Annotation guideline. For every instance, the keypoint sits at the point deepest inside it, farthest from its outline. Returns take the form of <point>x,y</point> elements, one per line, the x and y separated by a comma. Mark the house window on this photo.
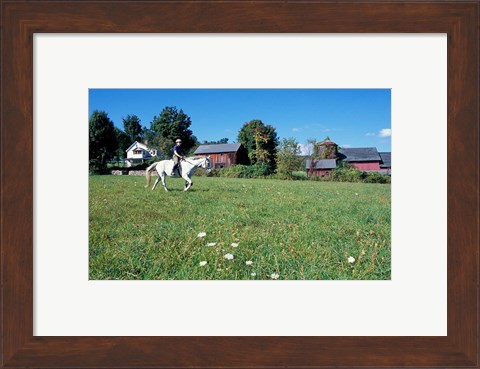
<point>221,154</point>
<point>137,152</point>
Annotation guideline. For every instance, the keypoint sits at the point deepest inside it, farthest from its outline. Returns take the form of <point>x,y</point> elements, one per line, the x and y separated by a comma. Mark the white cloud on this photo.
<point>370,134</point>
<point>295,129</point>
<point>345,146</point>
<point>385,132</point>
<point>305,149</point>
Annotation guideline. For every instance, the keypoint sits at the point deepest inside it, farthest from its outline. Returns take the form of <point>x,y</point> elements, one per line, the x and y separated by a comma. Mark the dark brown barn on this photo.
<point>223,155</point>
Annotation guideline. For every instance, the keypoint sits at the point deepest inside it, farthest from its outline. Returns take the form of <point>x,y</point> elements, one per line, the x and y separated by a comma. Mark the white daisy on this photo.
<point>234,244</point>
<point>211,244</point>
<point>203,263</point>
<point>228,256</point>
<point>202,234</point>
<point>351,259</point>
<point>274,276</point>
<point>253,274</point>
<point>249,262</point>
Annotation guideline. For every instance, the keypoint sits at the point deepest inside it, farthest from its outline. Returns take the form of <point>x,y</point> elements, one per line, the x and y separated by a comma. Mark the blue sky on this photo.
<point>350,117</point>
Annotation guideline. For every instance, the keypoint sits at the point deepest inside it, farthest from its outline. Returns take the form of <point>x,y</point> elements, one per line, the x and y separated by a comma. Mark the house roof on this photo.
<point>139,145</point>
<point>219,148</point>
<point>386,159</point>
<point>132,146</point>
<point>359,154</point>
<point>142,146</point>
<point>323,164</point>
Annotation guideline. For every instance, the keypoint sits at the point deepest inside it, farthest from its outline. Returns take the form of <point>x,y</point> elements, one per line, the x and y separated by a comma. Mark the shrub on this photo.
<point>246,171</point>
<point>234,171</point>
<point>347,174</point>
<point>377,178</point>
<point>96,167</point>
<point>200,172</point>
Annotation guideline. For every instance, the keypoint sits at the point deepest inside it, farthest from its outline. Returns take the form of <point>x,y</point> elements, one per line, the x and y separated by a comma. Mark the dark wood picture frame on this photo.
<point>22,19</point>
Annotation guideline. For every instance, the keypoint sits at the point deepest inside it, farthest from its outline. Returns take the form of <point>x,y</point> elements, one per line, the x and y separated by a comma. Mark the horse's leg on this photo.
<point>156,182</point>
<point>188,182</point>
<point>163,182</point>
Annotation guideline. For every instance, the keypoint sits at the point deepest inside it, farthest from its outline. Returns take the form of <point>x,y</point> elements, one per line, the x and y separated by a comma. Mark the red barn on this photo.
<point>320,167</point>
<point>366,159</point>
<point>223,155</point>
<point>386,164</point>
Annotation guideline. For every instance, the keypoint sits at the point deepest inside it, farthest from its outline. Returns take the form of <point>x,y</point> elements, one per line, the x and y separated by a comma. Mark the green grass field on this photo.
<point>293,229</point>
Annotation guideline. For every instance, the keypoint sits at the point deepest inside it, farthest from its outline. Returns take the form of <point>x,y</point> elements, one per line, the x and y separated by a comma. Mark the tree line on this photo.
<point>260,140</point>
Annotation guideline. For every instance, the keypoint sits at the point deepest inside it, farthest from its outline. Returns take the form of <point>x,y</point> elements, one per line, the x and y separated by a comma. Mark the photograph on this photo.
<point>240,184</point>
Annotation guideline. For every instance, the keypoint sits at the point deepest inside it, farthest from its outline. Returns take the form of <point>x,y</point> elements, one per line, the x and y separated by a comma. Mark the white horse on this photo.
<point>188,166</point>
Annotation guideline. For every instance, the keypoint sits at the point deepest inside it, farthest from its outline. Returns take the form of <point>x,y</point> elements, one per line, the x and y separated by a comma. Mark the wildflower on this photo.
<point>253,274</point>
<point>202,234</point>
<point>372,232</point>
<point>234,244</point>
<point>356,194</point>
<point>249,262</point>
<point>228,256</point>
<point>351,259</point>
<point>211,244</point>
<point>203,263</point>
<point>274,276</point>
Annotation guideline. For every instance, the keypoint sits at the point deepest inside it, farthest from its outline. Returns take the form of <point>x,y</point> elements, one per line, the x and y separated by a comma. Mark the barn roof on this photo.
<point>359,154</point>
<point>327,142</point>
<point>386,159</point>
<point>323,164</point>
<point>215,149</point>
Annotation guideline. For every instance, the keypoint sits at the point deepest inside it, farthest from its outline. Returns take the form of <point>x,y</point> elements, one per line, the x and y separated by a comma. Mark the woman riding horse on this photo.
<point>177,155</point>
<point>187,165</point>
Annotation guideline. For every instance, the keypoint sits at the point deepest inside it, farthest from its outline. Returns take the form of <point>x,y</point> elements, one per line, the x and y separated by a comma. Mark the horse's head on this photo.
<point>206,164</point>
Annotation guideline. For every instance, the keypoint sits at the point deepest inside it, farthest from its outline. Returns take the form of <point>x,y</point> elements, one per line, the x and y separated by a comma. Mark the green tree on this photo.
<point>123,141</point>
<point>167,127</point>
<point>133,128</point>
<point>221,141</point>
<point>260,141</point>
<point>312,153</point>
<point>102,140</point>
<point>287,157</point>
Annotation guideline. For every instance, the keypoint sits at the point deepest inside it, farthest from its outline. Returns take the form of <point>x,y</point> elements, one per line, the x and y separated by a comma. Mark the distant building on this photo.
<point>366,159</point>
<point>139,152</point>
<point>386,165</point>
<point>321,167</point>
<point>223,155</point>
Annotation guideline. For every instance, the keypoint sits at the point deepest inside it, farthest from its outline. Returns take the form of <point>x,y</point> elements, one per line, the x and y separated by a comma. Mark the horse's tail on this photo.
<point>148,173</point>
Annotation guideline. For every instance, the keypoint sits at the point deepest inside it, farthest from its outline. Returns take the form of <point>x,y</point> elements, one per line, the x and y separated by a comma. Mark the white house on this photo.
<point>138,152</point>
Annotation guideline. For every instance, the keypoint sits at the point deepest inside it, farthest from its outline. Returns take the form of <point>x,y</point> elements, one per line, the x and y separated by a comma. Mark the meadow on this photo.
<point>231,229</point>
